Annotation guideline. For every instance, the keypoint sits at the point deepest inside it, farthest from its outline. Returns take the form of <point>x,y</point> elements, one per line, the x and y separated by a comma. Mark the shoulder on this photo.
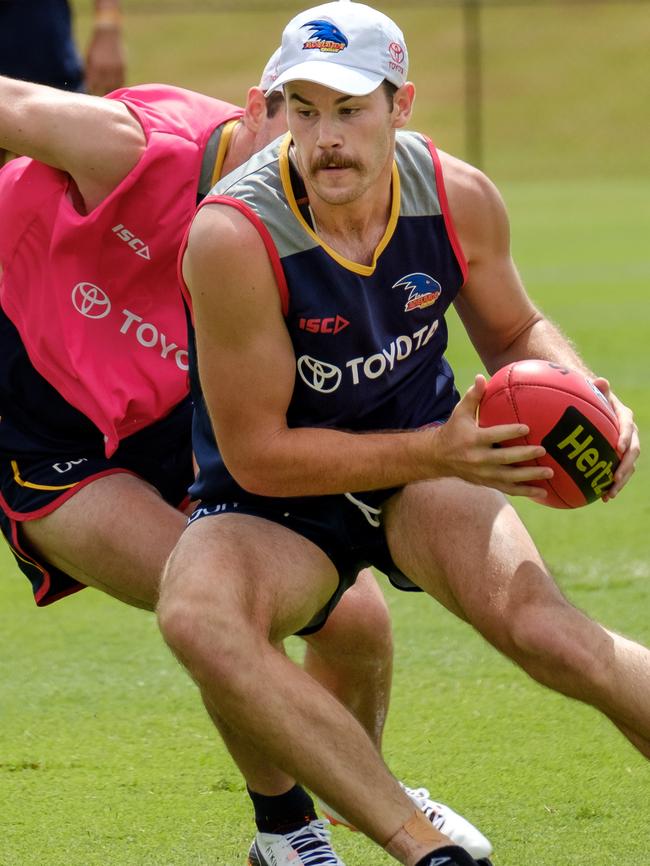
<point>467,187</point>
<point>222,237</point>
<point>222,222</point>
<point>476,205</point>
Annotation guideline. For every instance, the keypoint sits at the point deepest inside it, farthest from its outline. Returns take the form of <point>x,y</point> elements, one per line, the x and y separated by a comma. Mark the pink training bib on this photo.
<point>95,298</point>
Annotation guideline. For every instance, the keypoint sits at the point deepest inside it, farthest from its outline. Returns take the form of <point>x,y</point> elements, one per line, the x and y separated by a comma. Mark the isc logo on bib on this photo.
<point>137,245</point>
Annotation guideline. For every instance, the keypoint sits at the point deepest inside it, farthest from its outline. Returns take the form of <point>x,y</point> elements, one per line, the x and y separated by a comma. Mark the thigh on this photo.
<point>466,546</point>
<point>240,569</point>
<point>359,625</point>
<point>114,534</point>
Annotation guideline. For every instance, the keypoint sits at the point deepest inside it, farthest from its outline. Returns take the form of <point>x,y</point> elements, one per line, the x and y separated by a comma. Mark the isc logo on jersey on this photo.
<point>326,378</point>
<point>327,325</point>
<point>138,246</point>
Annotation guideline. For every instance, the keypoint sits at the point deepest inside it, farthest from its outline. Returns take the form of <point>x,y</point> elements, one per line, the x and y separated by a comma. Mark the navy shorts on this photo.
<point>347,528</point>
<point>35,480</point>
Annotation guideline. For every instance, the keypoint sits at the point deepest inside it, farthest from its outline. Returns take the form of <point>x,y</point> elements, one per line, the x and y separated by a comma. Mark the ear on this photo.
<point>255,110</point>
<point>403,104</point>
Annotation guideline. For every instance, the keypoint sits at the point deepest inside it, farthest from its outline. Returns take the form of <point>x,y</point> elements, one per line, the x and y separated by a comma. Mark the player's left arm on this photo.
<point>501,320</point>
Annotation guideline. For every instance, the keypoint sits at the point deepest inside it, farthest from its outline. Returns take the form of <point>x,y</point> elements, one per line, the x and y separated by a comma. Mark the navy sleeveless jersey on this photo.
<point>369,340</point>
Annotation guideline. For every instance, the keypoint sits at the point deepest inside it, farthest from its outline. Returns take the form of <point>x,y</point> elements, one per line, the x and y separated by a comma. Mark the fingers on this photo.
<point>624,415</point>
<point>472,397</point>
<point>603,385</point>
<point>515,480</point>
<point>518,454</point>
<point>529,491</point>
<point>510,469</point>
<point>626,467</point>
<point>496,456</point>
<point>627,427</point>
<point>518,481</point>
<point>628,444</point>
<point>503,433</point>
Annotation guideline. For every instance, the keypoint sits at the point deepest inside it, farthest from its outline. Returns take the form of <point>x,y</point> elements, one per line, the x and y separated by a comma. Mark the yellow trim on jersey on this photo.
<point>222,150</point>
<point>363,270</point>
<point>29,484</point>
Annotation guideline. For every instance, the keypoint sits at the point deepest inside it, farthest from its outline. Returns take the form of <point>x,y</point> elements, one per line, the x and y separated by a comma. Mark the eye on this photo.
<point>349,111</point>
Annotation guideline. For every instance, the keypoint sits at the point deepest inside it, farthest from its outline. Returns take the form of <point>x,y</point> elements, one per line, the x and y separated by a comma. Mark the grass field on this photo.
<point>566,85</point>
<point>106,756</point>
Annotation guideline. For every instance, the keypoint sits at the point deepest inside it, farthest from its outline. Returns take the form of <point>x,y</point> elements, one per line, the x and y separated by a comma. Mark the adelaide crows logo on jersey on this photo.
<point>325,36</point>
<point>423,291</point>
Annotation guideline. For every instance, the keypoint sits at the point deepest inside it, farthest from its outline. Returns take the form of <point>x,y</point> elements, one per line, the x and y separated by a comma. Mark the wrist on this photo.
<point>430,459</point>
<point>107,18</point>
<point>416,454</point>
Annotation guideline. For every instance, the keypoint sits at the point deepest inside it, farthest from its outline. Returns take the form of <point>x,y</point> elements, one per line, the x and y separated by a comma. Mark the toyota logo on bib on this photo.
<point>91,301</point>
<point>319,375</point>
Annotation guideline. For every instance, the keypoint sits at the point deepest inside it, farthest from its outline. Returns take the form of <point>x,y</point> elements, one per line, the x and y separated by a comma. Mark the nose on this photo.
<point>329,133</point>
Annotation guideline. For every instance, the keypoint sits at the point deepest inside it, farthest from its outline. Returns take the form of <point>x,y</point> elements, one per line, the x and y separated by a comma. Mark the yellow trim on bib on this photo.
<point>223,149</point>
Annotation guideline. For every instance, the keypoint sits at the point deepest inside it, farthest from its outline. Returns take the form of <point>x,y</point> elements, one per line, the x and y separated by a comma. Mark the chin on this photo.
<point>337,195</point>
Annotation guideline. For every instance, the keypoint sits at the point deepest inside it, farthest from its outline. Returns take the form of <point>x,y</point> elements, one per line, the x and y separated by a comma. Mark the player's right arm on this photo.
<point>97,141</point>
<point>247,370</point>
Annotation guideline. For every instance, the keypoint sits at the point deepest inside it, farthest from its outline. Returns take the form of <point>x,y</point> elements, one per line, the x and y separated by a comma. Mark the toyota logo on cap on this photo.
<point>91,301</point>
<point>319,375</point>
<point>396,52</point>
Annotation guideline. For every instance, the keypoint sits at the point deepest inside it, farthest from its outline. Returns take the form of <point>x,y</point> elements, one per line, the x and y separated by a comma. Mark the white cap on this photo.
<point>270,72</point>
<point>349,47</point>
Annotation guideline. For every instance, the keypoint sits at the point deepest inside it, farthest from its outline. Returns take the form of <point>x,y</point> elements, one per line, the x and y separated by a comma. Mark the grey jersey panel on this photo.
<point>258,184</point>
<point>415,164</point>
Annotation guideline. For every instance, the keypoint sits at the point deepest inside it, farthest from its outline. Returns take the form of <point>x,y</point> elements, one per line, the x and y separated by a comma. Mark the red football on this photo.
<point>566,414</point>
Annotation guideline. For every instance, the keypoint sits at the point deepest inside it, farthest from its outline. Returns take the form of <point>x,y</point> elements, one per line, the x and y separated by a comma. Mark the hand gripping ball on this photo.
<point>566,414</point>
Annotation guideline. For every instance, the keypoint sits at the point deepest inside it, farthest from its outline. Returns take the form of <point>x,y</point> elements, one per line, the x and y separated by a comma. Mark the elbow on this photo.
<point>262,464</point>
<point>259,484</point>
<point>258,476</point>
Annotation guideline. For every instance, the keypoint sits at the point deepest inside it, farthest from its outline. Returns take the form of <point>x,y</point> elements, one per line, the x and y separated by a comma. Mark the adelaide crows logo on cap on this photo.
<point>423,291</point>
<point>325,36</point>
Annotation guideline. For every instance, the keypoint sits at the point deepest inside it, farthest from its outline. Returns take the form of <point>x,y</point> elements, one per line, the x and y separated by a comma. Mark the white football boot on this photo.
<point>308,846</point>
<point>444,819</point>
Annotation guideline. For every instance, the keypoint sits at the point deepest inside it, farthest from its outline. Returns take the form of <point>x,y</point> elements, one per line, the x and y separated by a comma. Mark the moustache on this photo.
<point>333,160</point>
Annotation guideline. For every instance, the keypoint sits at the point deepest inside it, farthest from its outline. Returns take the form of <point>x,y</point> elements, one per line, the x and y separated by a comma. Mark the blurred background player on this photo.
<point>37,44</point>
<point>95,431</point>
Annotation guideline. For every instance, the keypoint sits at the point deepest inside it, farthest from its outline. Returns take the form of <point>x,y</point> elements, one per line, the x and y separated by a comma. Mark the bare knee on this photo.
<point>207,635</point>
<point>555,643</point>
<point>179,621</point>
